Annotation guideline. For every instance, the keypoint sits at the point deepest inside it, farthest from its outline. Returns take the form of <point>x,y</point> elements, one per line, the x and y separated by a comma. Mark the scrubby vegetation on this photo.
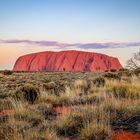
<point>62,106</point>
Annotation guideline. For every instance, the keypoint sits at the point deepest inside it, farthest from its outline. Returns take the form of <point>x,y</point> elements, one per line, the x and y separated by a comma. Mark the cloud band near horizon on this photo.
<point>45,43</point>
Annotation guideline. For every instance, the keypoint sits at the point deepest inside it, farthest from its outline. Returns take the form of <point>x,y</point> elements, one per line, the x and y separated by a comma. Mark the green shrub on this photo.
<point>99,81</point>
<point>60,87</point>
<point>27,92</point>
<point>54,87</point>
<point>111,75</point>
<point>123,69</point>
<point>7,72</point>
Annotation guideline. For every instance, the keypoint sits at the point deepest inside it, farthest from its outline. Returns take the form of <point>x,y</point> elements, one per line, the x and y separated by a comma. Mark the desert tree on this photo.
<point>134,62</point>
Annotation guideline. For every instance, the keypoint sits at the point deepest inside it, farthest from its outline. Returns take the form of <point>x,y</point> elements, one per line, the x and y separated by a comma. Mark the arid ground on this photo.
<point>70,106</point>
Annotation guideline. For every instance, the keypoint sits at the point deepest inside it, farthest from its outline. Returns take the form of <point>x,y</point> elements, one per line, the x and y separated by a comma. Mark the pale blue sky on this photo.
<point>68,21</point>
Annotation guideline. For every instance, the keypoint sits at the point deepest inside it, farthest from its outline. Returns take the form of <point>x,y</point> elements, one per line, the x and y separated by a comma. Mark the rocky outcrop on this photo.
<point>66,61</point>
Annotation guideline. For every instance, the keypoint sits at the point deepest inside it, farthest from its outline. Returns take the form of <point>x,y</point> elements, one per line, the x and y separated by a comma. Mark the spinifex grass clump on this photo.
<point>27,92</point>
<point>13,133</point>
<point>95,131</point>
<point>46,110</point>
<point>5,104</point>
<point>123,114</point>
<point>49,85</point>
<point>122,90</point>
<point>70,125</point>
<point>80,85</point>
<point>25,112</point>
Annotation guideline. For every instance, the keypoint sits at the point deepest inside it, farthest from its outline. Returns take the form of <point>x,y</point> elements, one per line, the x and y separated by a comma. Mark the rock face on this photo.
<point>66,61</point>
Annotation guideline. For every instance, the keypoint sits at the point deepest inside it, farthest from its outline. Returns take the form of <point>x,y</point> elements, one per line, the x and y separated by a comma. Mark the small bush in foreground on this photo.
<point>122,115</point>
<point>125,91</point>
<point>28,92</point>
<point>70,125</point>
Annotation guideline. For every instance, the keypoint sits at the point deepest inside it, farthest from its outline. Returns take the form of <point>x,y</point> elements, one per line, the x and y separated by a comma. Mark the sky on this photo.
<point>105,26</point>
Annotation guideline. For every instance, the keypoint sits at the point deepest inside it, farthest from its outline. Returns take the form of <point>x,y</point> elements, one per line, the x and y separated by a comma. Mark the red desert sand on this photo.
<point>125,135</point>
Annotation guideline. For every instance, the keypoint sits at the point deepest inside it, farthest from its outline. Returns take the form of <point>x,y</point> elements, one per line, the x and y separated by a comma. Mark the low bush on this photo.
<point>99,81</point>
<point>111,75</point>
<point>46,110</point>
<point>122,115</point>
<point>123,69</point>
<point>7,72</point>
<point>54,87</point>
<point>70,125</point>
<point>49,86</point>
<point>27,92</point>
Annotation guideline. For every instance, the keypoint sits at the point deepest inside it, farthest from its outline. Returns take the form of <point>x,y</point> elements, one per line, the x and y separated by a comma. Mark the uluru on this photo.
<point>67,61</point>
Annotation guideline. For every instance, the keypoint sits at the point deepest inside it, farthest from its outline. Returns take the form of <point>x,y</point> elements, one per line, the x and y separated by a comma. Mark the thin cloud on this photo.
<point>108,45</point>
<point>37,43</point>
<point>69,45</point>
